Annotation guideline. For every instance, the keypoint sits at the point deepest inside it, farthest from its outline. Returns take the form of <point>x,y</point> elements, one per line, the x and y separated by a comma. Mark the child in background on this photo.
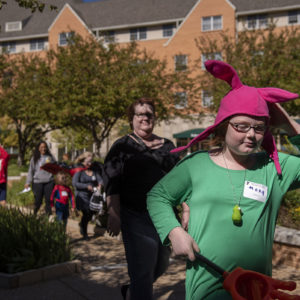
<point>4,157</point>
<point>61,195</point>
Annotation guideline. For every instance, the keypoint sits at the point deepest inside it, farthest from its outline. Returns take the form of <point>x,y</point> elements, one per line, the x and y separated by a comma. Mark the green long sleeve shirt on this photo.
<point>207,189</point>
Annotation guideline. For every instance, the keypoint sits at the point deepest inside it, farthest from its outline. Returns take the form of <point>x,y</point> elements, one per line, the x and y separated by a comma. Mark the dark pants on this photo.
<point>147,258</point>
<point>40,190</point>
<point>85,219</point>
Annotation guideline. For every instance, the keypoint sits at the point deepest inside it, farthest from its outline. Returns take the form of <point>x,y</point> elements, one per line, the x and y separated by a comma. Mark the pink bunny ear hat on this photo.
<point>243,99</point>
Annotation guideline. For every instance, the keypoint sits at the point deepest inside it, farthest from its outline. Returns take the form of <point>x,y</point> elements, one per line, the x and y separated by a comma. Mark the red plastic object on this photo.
<point>249,285</point>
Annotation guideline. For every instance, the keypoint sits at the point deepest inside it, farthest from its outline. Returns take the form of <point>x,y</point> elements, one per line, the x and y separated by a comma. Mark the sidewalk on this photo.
<point>104,270</point>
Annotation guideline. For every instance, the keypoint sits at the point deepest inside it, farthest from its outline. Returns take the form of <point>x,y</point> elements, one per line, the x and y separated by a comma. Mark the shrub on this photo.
<point>14,197</point>
<point>29,241</point>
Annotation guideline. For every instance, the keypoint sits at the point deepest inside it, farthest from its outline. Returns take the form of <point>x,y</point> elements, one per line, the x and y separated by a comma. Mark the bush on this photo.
<point>14,197</point>
<point>13,169</point>
<point>29,241</point>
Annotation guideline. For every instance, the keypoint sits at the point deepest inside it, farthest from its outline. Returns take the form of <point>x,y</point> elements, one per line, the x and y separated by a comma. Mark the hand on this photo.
<point>183,243</point>
<point>53,209</point>
<point>185,216</point>
<point>90,188</point>
<point>72,209</point>
<point>113,224</point>
<point>26,186</point>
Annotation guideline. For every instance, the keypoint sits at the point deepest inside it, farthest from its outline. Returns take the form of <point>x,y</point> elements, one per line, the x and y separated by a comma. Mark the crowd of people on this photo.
<point>230,195</point>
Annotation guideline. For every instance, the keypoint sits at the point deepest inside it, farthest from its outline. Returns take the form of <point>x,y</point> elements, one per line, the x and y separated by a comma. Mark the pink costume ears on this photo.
<point>246,100</point>
<point>223,71</point>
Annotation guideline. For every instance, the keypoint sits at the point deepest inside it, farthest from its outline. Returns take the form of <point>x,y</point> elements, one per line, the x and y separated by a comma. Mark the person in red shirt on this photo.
<point>4,157</point>
<point>61,196</point>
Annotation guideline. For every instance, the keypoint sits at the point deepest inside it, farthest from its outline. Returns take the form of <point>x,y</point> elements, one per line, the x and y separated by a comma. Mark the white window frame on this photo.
<point>257,21</point>
<point>209,56</point>
<point>212,23</point>
<point>68,35</point>
<point>168,30</point>
<point>110,36</point>
<point>10,47</point>
<point>181,62</point>
<point>13,26</point>
<point>181,100</point>
<point>37,44</point>
<point>293,17</point>
<point>138,34</point>
<point>207,99</point>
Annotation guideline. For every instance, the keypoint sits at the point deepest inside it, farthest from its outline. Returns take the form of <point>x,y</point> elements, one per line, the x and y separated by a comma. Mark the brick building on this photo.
<point>167,28</point>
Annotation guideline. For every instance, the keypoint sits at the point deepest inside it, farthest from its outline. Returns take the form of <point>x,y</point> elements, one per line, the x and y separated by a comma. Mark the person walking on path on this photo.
<point>41,180</point>
<point>85,183</point>
<point>61,196</point>
<point>233,191</point>
<point>4,158</point>
<point>133,165</point>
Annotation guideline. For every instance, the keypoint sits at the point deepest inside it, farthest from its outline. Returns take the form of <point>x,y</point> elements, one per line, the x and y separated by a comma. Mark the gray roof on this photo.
<point>116,13</point>
<point>246,6</point>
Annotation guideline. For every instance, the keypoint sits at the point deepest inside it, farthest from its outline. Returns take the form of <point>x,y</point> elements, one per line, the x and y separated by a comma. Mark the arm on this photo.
<point>53,196</point>
<point>30,174</point>
<point>72,199</point>
<point>172,190</point>
<point>79,185</point>
<point>113,208</point>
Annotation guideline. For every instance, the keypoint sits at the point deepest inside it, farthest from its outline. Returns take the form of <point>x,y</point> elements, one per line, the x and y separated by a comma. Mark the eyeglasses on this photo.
<point>144,115</point>
<point>240,127</point>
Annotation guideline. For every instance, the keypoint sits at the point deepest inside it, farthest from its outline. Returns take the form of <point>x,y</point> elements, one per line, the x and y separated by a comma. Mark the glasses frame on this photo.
<point>234,126</point>
<point>150,116</point>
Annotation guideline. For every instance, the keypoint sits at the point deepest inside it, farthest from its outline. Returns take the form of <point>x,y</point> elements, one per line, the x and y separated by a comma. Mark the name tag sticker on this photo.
<point>255,191</point>
<point>64,193</point>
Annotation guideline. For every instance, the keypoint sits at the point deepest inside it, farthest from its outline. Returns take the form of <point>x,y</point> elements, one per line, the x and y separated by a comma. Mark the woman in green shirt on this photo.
<point>233,191</point>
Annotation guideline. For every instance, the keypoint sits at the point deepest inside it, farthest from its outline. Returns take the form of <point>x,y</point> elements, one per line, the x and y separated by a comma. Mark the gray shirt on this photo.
<point>36,174</point>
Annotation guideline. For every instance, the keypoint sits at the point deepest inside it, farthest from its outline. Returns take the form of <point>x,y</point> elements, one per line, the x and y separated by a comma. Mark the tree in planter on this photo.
<point>93,85</point>
<point>262,58</point>
<point>24,98</point>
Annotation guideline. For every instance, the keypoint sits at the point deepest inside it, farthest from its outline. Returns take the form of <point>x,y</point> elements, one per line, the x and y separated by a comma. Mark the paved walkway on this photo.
<point>104,270</point>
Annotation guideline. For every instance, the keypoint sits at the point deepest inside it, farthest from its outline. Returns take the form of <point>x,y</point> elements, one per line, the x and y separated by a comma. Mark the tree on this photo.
<point>262,58</point>
<point>24,98</point>
<point>93,84</point>
<point>29,4</point>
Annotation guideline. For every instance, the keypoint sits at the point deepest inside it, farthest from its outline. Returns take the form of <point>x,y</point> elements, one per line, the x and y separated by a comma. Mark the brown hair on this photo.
<point>83,156</point>
<point>141,101</point>
<point>219,135</point>
<point>58,177</point>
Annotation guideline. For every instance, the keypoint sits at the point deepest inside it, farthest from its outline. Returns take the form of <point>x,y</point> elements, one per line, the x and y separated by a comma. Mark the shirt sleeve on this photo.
<point>171,190</point>
<point>30,172</point>
<point>76,182</point>
<point>113,169</point>
<point>290,165</point>
<point>71,197</point>
<point>53,196</point>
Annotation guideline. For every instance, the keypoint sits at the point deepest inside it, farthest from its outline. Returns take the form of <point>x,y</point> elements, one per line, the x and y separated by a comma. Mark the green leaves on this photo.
<point>262,58</point>
<point>29,241</point>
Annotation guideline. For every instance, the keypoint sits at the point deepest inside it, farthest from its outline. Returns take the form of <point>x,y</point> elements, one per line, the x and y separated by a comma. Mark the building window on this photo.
<point>209,56</point>
<point>212,23</point>
<point>180,100</point>
<point>13,26</point>
<point>294,17</point>
<point>109,36</point>
<point>207,99</point>
<point>37,44</point>
<point>9,47</point>
<point>138,33</point>
<point>65,37</point>
<point>168,30</point>
<point>180,62</point>
<point>257,21</point>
